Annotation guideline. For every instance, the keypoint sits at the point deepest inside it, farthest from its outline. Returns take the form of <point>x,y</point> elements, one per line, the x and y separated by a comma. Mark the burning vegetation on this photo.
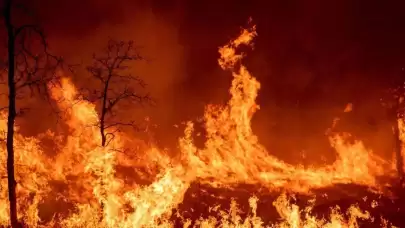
<point>231,181</point>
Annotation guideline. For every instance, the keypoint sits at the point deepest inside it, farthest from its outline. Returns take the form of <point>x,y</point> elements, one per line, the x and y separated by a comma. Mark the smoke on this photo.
<point>76,36</point>
<point>311,59</point>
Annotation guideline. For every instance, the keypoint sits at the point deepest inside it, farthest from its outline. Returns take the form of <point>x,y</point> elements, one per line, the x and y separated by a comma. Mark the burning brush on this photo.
<point>233,181</point>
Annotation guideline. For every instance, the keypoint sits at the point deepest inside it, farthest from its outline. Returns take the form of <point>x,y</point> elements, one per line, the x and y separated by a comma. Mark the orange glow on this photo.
<point>84,176</point>
<point>401,128</point>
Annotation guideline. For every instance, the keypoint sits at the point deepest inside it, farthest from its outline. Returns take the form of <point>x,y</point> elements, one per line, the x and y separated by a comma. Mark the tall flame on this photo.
<point>84,178</point>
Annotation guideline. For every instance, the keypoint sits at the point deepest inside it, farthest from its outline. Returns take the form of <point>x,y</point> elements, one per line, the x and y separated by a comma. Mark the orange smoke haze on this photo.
<point>159,43</point>
<point>306,59</point>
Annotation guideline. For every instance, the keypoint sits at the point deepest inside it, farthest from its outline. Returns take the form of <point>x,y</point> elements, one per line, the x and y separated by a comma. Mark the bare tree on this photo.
<point>30,68</point>
<point>116,86</point>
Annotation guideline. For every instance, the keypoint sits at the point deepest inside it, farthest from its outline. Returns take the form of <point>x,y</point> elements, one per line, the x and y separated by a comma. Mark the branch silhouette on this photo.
<point>29,66</point>
<point>117,86</point>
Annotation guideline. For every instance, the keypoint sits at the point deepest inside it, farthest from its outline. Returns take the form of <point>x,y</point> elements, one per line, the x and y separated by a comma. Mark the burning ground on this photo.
<point>231,181</point>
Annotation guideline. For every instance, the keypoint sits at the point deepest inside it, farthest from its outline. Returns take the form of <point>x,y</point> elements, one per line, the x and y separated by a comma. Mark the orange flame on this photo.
<point>84,176</point>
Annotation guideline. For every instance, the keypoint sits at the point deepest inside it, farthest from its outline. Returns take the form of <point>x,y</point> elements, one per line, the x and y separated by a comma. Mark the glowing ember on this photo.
<point>85,180</point>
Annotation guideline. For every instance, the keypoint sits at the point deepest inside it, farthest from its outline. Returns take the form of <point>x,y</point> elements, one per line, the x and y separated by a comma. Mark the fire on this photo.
<point>84,177</point>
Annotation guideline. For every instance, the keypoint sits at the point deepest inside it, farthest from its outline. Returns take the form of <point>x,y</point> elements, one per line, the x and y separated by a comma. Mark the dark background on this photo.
<point>311,57</point>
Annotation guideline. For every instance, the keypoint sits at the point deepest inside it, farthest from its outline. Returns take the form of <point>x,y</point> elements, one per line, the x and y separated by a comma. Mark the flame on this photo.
<point>81,185</point>
<point>349,107</point>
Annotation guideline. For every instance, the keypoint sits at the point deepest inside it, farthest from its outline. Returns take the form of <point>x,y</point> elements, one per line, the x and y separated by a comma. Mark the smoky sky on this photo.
<point>311,57</point>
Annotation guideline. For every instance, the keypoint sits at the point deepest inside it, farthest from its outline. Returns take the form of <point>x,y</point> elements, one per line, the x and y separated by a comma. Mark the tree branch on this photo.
<point>115,86</point>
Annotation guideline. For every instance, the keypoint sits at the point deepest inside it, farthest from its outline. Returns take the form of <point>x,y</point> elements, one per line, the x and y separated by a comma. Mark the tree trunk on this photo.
<point>103,137</point>
<point>11,116</point>
<point>104,112</point>
<point>102,129</point>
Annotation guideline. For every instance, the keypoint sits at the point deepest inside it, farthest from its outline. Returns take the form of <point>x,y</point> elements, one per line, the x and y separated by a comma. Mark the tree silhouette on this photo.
<point>30,68</point>
<point>116,86</point>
